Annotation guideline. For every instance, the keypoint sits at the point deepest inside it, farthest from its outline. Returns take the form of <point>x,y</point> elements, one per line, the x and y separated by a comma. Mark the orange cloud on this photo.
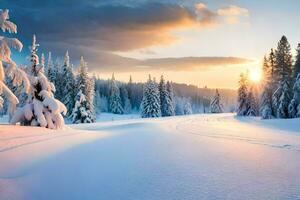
<point>232,14</point>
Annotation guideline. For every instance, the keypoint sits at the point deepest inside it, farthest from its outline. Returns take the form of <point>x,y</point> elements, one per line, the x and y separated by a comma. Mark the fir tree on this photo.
<point>294,106</point>
<point>97,102</point>
<point>266,110</point>
<point>283,78</point>
<point>52,71</point>
<point>150,106</point>
<point>115,105</point>
<point>87,87</point>
<point>125,99</point>
<point>81,112</point>
<point>187,107</point>
<point>17,75</point>
<point>164,97</point>
<point>297,64</point>
<point>251,103</point>
<point>216,105</point>
<point>42,109</point>
<point>281,99</point>
<point>171,105</point>
<point>242,95</point>
<point>68,85</point>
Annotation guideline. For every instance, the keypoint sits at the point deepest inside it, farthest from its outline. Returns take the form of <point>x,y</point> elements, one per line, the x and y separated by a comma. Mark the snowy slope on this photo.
<point>192,157</point>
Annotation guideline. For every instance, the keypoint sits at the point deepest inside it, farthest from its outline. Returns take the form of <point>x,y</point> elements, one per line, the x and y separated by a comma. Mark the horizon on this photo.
<point>202,43</point>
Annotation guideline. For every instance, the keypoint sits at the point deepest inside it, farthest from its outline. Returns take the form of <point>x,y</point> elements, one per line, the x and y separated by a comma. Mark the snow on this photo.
<point>212,156</point>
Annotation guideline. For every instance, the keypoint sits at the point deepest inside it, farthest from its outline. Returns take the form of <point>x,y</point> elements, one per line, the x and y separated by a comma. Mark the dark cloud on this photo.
<point>95,29</point>
<point>112,27</point>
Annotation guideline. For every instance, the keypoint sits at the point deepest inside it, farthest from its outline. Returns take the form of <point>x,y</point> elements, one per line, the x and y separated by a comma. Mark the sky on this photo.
<point>205,43</point>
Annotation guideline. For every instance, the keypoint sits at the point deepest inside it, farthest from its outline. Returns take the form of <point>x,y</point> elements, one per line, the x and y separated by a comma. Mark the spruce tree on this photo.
<point>266,109</point>
<point>68,85</point>
<point>52,71</point>
<point>81,113</point>
<point>242,108</point>
<point>281,99</point>
<point>171,98</point>
<point>216,105</point>
<point>150,106</point>
<point>283,76</point>
<point>42,109</point>
<point>164,97</point>
<point>115,104</point>
<point>187,107</point>
<point>294,106</point>
<point>251,103</point>
<point>297,64</point>
<point>87,87</point>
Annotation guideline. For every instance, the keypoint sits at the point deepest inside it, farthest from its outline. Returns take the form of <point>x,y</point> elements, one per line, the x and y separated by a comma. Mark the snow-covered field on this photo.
<point>188,157</point>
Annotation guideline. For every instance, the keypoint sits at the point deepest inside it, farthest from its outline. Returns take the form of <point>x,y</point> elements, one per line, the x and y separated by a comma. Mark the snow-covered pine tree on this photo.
<point>68,85</point>
<point>266,110</point>
<point>97,102</point>
<point>7,66</point>
<point>150,106</point>
<point>171,104</point>
<point>86,85</point>
<point>115,104</point>
<point>251,103</point>
<point>42,109</point>
<point>187,107</point>
<point>242,107</point>
<point>294,106</point>
<point>297,64</point>
<point>281,99</point>
<point>283,76</point>
<point>51,70</point>
<point>81,112</point>
<point>125,99</point>
<point>129,88</point>
<point>164,97</point>
<point>216,105</point>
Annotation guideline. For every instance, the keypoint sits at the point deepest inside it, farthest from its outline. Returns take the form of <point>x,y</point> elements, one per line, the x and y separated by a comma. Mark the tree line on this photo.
<point>279,95</point>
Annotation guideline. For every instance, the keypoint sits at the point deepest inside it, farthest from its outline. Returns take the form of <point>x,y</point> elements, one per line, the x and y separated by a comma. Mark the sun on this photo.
<point>255,76</point>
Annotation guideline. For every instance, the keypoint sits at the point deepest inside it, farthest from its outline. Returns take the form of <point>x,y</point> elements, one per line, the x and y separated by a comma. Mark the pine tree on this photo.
<point>242,95</point>
<point>150,106</point>
<point>125,99</point>
<point>281,99</point>
<point>97,102</point>
<point>251,103</point>
<point>42,109</point>
<point>164,97</point>
<point>52,72</point>
<point>81,112</point>
<point>17,75</point>
<point>294,106</point>
<point>115,105</point>
<point>171,104</point>
<point>266,109</point>
<point>86,86</point>
<point>129,88</point>
<point>283,78</point>
<point>187,107</point>
<point>283,62</point>
<point>297,64</point>
<point>216,105</point>
<point>68,85</point>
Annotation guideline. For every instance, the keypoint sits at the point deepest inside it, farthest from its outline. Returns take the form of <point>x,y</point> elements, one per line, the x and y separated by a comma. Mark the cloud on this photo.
<point>97,28</point>
<point>112,62</point>
<point>110,27</point>
<point>232,14</point>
